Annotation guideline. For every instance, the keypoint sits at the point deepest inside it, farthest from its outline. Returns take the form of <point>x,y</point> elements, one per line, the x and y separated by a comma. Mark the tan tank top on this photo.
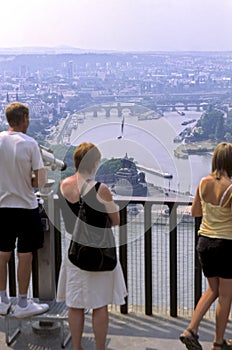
<point>216,219</point>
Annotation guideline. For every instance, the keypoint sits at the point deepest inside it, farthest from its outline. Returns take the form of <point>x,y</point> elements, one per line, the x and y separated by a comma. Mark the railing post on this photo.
<point>46,255</point>
<point>123,251</point>
<point>46,270</point>
<point>173,257</point>
<point>57,237</point>
<point>57,248</point>
<point>197,271</point>
<point>148,258</point>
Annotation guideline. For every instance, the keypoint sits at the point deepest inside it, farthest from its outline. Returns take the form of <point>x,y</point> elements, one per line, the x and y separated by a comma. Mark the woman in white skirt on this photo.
<point>79,288</point>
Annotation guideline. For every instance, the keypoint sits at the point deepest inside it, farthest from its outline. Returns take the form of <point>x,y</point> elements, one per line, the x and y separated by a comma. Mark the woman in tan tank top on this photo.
<point>213,202</point>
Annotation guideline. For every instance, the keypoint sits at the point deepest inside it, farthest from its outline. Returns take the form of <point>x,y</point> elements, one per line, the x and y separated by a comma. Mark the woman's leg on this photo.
<point>100,320</point>
<point>203,305</point>
<point>76,325</point>
<point>223,308</point>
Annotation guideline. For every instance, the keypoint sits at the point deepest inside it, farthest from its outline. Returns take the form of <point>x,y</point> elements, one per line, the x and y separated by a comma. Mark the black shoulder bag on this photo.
<point>92,248</point>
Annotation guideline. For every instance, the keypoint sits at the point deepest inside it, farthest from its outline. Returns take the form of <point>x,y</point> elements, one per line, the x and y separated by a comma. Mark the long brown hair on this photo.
<point>222,160</point>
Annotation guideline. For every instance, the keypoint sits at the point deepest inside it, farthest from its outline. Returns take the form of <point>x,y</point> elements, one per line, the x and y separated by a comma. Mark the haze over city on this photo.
<point>120,25</point>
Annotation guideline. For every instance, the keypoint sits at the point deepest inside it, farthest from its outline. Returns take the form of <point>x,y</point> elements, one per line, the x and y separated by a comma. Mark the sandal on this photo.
<point>227,344</point>
<point>191,342</point>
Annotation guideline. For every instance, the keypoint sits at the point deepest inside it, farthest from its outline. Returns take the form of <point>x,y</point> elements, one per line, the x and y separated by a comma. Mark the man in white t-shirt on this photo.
<point>21,171</point>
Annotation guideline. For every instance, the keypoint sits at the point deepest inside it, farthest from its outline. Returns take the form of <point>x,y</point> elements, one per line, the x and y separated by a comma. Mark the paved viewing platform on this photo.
<point>171,308</point>
<point>130,332</point>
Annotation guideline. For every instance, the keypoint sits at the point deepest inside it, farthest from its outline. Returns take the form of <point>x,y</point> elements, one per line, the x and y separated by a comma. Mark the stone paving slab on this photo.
<point>130,332</point>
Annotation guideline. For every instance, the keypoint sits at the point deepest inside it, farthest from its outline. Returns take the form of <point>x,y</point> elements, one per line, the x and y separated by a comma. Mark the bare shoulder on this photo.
<point>207,179</point>
<point>104,192</point>
<point>68,185</point>
<point>206,182</point>
<point>68,180</point>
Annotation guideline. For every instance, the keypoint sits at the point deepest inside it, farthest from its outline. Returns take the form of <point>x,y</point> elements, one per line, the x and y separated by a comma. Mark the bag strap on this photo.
<point>82,190</point>
<point>85,184</point>
<point>97,185</point>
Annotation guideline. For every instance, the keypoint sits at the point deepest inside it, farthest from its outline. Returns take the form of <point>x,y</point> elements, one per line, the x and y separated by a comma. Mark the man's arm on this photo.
<point>39,178</point>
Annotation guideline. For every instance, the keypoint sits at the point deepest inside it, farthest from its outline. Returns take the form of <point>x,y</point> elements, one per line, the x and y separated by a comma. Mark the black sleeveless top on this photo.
<point>95,211</point>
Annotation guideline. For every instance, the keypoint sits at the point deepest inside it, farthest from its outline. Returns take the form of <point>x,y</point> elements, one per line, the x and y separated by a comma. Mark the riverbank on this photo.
<point>164,192</point>
<point>198,148</point>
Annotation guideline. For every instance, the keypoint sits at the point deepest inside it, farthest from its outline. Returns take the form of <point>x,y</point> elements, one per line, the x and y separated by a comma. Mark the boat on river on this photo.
<point>158,172</point>
<point>186,122</point>
<point>181,113</point>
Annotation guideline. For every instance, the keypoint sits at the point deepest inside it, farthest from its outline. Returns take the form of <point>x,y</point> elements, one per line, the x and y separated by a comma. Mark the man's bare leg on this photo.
<point>24,272</point>
<point>4,259</point>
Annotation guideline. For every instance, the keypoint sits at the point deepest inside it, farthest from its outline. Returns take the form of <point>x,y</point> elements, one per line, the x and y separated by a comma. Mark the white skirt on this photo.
<point>79,288</point>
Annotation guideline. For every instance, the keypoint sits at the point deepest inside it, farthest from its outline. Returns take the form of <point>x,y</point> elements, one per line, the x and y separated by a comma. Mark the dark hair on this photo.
<point>85,157</point>
<point>222,160</point>
<point>15,112</point>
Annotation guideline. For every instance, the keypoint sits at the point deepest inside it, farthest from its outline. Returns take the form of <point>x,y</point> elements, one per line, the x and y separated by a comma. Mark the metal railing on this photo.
<point>160,266</point>
<point>156,245</point>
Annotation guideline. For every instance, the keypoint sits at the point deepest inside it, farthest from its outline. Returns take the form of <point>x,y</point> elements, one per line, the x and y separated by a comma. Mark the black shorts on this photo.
<point>215,256</point>
<point>23,226</point>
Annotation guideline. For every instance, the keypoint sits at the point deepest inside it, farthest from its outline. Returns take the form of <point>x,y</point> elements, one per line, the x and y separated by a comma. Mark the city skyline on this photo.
<point>118,25</point>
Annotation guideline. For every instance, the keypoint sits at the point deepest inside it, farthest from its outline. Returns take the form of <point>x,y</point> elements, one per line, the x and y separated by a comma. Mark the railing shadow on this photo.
<point>131,331</point>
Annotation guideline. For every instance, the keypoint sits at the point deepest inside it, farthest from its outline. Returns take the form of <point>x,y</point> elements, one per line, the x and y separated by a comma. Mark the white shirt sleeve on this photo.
<point>37,161</point>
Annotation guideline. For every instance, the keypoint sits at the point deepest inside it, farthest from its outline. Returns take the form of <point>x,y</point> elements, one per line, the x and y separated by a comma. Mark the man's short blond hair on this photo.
<point>15,112</point>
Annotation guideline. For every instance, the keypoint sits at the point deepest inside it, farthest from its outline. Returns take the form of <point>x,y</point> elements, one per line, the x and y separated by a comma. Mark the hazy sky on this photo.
<point>138,25</point>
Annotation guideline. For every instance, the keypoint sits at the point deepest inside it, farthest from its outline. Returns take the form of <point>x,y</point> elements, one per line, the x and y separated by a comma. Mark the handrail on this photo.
<point>147,229</point>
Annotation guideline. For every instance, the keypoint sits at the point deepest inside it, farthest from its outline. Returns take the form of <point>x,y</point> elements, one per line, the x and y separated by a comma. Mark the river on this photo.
<point>149,142</point>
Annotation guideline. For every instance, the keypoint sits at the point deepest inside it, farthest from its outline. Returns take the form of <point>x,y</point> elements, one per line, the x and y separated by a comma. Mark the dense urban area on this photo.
<point>57,85</point>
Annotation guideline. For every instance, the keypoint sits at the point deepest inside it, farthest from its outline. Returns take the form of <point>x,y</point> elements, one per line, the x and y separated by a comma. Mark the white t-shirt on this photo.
<point>19,156</point>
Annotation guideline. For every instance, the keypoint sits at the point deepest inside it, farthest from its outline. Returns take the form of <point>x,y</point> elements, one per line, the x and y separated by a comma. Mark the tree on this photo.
<point>228,137</point>
<point>219,130</point>
<point>212,124</point>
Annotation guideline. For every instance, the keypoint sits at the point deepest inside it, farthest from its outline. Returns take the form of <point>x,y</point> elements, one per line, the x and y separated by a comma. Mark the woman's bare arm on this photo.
<point>196,209</point>
<point>105,197</point>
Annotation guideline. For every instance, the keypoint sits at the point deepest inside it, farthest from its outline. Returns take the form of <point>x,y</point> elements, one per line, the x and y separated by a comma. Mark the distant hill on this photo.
<point>40,50</point>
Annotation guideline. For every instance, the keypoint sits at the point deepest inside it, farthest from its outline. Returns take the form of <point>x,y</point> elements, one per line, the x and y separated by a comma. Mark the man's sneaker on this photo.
<point>4,308</point>
<point>30,310</point>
